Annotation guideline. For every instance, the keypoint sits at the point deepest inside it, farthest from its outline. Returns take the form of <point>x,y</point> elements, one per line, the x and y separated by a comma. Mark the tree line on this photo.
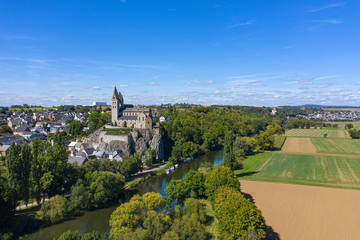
<point>195,131</point>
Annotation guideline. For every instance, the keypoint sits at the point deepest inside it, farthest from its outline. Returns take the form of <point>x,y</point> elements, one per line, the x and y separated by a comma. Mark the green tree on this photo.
<point>354,133</point>
<point>7,206</point>
<point>5,128</point>
<point>265,141</point>
<point>80,196</point>
<point>54,210</point>
<point>275,129</point>
<point>94,119</point>
<point>188,228</point>
<point>349,126</point>
<point>36,171</point>
<point>140,214</point>
<point>194,209</point>
<point>25,167</point>
<point>76,128</point>
<point>130,165</point>
<point>13,171</point>
<point>220,176</point>
<point>105,186</point>
<point>236,214</point>
<point>177,191</point>
<point>70,235</point>
<point>229,155</point>
<point>195,182</point>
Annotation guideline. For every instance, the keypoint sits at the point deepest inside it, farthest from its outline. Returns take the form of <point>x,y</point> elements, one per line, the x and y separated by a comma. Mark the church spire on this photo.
<point>115,94</point>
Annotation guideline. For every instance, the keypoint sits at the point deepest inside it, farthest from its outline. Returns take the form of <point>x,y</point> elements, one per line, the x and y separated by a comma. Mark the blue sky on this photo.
<point>248,52</point>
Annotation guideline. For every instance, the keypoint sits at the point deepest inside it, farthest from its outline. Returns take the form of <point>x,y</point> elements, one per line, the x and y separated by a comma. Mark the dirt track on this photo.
<point>303,145</point>
<point>306,212</point>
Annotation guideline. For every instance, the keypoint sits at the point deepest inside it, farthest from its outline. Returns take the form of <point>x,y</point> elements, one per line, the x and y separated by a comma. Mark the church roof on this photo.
<point>128,118</point>
<point>121,97</point>
<point>137,109</point>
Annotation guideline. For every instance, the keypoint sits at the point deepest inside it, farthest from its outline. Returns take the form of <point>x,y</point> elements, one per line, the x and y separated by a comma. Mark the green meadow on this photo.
<point>336,145</point>
<point>317,133</point>
<point>319,170</point>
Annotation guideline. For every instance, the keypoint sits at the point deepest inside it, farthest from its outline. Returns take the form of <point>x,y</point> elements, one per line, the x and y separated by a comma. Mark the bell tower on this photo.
<point>115,108</point>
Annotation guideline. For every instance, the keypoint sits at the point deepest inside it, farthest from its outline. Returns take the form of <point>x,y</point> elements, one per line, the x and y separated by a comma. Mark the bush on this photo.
<point>54,210</point>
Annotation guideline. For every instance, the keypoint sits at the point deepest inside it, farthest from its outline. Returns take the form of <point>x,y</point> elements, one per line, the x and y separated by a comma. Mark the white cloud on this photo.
<point>325,77</point>
<point>336,90</point>
<point>201,82</point>
<point>334,5</point>
<point>94,88</point>
<point>123,85</point>
<point>152,83</point>
<point>250,22</point>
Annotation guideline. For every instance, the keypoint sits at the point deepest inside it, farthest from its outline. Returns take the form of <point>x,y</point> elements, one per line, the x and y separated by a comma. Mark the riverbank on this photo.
<point>98,219</point>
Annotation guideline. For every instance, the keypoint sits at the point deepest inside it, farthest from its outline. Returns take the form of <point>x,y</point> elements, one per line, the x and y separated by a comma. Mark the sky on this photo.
<point>241,52</point>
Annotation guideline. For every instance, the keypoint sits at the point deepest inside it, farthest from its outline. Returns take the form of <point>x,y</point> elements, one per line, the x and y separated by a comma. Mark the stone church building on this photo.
<point>124,116</point>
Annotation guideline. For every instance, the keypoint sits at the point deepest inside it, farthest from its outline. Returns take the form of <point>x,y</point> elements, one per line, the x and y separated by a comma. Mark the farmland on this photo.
<point>307,212</point>
<point>318,170</point>
<point>298,145</point>
<point>291,186</point>
<point>336,145</point>
<point>319,133</point>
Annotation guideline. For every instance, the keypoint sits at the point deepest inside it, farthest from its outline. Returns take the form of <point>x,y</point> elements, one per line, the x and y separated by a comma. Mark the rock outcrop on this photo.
<point>139,141</point>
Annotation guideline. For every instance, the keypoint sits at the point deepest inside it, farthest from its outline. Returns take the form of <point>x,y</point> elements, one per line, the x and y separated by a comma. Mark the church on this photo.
<point>125,116</point>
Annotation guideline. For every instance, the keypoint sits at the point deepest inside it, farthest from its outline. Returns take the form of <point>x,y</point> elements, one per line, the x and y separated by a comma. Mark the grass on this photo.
<point>135,182</point>
<point>251,163</point>
<point>319,133</point>
<point>316,170</point>
<point>336,145</point>
<point>279,142</point>
<point>117,131</point>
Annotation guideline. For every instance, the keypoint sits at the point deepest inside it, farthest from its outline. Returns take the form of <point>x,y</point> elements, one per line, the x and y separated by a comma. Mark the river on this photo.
<point>98,220</point>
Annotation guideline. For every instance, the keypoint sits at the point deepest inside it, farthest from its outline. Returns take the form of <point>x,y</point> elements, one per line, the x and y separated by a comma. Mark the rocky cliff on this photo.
<point>139,141</point>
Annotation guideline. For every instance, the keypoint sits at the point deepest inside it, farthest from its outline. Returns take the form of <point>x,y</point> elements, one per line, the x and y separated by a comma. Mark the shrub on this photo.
<point>54,210</point>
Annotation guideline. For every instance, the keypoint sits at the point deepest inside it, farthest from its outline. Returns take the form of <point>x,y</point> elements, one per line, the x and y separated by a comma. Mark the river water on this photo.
<point>98,220</point>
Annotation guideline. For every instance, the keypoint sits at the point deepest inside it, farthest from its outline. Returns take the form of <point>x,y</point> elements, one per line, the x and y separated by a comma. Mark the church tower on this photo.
<point>115,108</point>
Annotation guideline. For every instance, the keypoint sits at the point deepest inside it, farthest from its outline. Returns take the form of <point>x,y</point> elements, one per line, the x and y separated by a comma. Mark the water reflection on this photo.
<point>98,220</point>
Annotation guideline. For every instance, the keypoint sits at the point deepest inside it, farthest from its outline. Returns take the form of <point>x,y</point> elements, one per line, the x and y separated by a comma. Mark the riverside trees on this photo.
<point>147,217</point>
<point>193,131</point>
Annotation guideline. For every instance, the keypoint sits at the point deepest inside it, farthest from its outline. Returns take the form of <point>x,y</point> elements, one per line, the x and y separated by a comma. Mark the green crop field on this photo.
<point>319,170</point>
<point>319,133</point>
<point>336,145</point>
<point>279,142</point>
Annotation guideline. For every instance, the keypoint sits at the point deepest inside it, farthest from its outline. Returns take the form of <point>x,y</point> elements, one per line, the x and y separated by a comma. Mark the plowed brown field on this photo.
<point>307,212</point>
<point>300,145</point>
